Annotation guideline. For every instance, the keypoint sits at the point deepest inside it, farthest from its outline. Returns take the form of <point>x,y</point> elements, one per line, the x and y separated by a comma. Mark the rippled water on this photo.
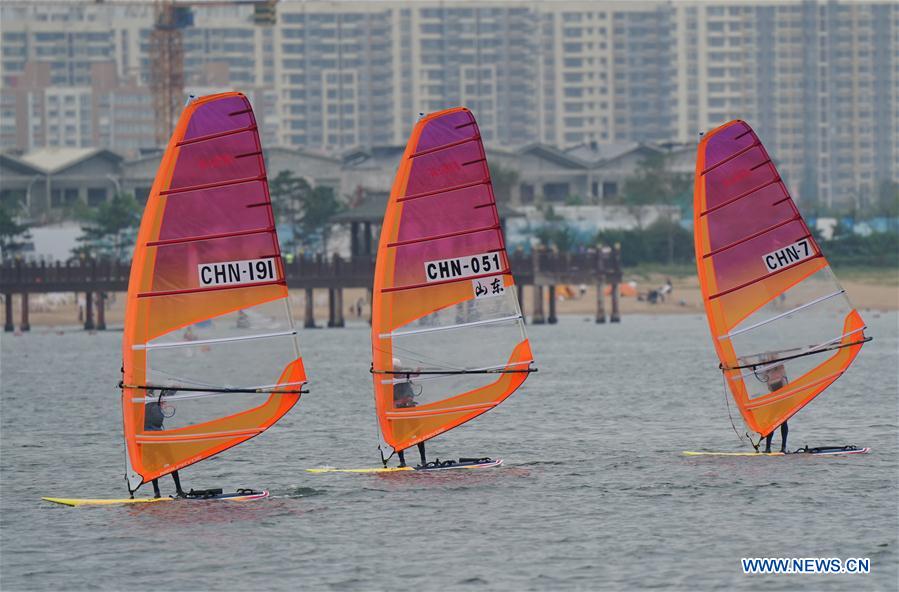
<point>594,493</point>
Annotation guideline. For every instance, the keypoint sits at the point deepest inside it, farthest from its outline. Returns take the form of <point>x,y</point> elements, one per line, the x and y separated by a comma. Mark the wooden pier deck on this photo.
<point>544,270</point>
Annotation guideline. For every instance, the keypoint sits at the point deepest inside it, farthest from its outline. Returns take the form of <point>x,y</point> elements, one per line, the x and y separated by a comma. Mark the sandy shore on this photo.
<point>868,291</point>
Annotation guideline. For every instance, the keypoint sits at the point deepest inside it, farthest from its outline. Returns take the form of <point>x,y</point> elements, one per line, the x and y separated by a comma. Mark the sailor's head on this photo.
<point>776,373</point>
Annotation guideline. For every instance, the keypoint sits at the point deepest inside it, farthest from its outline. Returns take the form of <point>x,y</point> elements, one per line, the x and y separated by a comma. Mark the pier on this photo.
<point>543,270</point>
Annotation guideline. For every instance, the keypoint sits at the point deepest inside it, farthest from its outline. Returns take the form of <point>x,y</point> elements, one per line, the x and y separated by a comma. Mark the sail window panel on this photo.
<point>759,338</point>
<point>479,310</point>
<point>432,389</point>
<point>225,364</point>
<point>224,159</point>
<point>445,213</point>
<point>450,128</point>
<point>231,208</point>
<point>215,117</point>
<point>465,347</point>
<point>461,164</point>
<point>741,219</point>
<point>738,176</point>
<point>268,317</point>
<point>178,265</point>
<point>181,413</point>
<point>744,263</point>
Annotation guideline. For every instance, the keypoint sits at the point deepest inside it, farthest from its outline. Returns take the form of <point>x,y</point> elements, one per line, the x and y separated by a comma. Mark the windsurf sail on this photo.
<point>782,326</point>
<point>448,338</point>
<point>198,376</point>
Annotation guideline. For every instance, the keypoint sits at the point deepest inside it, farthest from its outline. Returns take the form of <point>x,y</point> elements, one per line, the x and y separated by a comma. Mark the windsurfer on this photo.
<point>776,378</point>
<point>404,396</point>
<point>153,416</point>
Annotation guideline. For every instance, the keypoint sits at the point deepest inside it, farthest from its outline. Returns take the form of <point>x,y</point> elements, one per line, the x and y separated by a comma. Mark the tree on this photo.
<point>110,228</point>
<point>559,235</point>
<point>655,184</point>
<point>13,236</point>
<point>288,192</point>
<point>304,208</point>
<point>319,206</point>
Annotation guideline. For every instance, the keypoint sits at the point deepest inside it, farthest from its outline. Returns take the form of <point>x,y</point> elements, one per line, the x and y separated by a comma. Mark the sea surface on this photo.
<point>594,493</point>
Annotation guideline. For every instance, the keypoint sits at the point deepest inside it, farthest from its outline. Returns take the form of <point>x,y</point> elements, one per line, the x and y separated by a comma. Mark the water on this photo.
<point>594,494</point>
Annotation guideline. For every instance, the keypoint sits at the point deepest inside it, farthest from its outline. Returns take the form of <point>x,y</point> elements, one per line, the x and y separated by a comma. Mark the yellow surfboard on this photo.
<point>243,496</point>
<point>105,502</point>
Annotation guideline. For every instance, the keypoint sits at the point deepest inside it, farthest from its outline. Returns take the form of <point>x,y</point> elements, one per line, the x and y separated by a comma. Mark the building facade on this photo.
<point>817,78</point>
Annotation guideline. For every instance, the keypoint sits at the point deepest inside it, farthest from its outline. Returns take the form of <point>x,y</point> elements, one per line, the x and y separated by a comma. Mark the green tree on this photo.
<point>558,235</point>
<point>13,236</point>
<point>319,206</point>
<point>304,208</point>
<point>655,184</point>
<point>288,193</point>
<point>110,228</point>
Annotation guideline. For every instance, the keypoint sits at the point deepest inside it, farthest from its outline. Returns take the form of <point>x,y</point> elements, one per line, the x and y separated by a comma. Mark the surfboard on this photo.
<point>231,497</point>
<point>814,451</point>
<point>444,467</point>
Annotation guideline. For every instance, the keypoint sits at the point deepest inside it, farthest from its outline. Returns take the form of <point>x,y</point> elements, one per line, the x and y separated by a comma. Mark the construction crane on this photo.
<point>166,53</point>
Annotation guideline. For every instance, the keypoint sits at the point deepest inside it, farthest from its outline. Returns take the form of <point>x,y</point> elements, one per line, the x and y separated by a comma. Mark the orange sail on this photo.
<point>448,339</point>
<point>782,326</point>
<point>210,357</point>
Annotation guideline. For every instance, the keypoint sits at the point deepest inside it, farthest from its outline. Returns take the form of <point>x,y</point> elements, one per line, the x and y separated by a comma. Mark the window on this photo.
<point>609,189</point>
<point>555,191</point>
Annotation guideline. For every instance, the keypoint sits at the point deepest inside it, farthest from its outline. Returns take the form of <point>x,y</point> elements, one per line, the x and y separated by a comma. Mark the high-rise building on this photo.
<point>817,78</point>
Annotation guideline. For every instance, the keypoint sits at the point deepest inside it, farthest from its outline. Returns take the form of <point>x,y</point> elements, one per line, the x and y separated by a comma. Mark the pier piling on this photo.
<point>8,325</point>
<point>600,301</point>
<point>25,325</point>
<point>552,319</point>
<point>101,311</point>
<point>537,318</point>
<point>615,317</point>
<point>89,311</point>
<point>309,317</point>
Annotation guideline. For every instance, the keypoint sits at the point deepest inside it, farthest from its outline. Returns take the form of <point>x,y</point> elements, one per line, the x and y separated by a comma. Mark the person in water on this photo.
<point>404,397</point>
<point>776,378</point>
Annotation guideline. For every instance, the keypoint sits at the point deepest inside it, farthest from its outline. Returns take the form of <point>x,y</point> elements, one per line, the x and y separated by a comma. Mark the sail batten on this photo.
<point>445,316</point>
<point>767,287</point>
<point>206,269</point>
